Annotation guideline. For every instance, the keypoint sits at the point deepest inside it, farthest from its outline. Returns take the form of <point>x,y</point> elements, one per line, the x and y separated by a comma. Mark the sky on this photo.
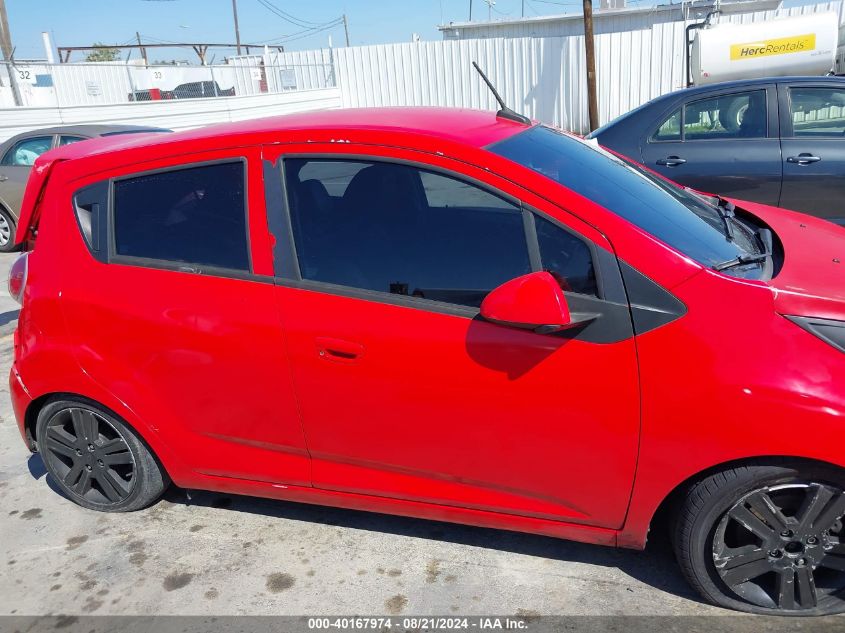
<point>297,25</point>
<point>83,22</point>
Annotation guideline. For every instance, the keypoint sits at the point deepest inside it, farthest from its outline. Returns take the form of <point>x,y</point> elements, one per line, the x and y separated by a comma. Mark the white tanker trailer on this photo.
<point>804,45</point>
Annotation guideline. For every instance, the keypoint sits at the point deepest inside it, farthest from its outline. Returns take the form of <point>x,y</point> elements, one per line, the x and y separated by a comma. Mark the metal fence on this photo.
<point>640,58</point>
<point>37,84</point>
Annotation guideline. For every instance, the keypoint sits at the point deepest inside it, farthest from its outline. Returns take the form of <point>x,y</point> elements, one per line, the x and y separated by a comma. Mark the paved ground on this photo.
<point>217,555</point>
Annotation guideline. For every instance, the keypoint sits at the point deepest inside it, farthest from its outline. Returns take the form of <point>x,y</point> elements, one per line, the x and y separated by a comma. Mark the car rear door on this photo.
<point>813,142</point>
<point>724,142</point>
<point>382,259</point>
<point>169,298</point>
<point>15,165</point>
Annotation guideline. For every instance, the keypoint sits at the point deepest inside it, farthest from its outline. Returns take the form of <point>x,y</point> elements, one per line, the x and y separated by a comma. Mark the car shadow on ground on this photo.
<point>655,566</point>
<point>8,317</point>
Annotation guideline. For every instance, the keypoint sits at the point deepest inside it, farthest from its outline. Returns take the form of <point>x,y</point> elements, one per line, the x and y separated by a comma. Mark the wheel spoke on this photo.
<point>834,510</point>
<point>110,488</point>
<point>729,558</point>
<point>116,445</point>
<point>750,521</point>
<point>806,587</point>
<point>72,475</point>
<point>84,484</point>
<point>118,459</point>
<point>832,561</point>
<point>786,589</point>
<point>743,573</point>
<point>82,423</point>
<point>60,436</point>
<point>762,505</point>
<point>817,498</point>
<point>59,448</point>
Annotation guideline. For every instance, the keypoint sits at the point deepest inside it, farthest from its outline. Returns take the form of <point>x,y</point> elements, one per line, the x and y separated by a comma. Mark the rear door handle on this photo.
<point>671,161</point>
<point>338,350</point>
<point>803,159</point>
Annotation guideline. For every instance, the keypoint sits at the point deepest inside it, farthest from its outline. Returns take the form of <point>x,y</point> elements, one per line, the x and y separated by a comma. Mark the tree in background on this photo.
<point>103,54</point>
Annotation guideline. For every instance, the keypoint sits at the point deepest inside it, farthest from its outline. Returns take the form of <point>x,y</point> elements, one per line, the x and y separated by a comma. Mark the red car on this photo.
<point>444,314</point>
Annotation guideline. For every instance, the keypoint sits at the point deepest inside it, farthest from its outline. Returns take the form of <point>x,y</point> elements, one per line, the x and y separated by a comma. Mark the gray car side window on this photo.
<point>817,112</point>
<point>24,152</point>
<point>733,116</point>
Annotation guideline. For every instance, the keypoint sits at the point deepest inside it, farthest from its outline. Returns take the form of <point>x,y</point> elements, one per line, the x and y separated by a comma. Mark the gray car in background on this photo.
<point>19,153</point>
<point>778,141</point>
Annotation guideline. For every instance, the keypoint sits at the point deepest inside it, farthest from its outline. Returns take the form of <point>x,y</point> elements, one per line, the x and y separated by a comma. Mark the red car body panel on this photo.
<point>234,385</point>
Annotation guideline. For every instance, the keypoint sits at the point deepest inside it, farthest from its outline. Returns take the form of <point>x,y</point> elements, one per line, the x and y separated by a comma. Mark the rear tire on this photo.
<point>766,538</point>
<point>97,460</point>
<point>7,231</point>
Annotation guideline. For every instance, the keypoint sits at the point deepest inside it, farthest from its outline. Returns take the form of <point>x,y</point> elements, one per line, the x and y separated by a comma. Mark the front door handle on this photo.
<point>671,161</point>
<point>803,159</point>
<point>339,350</point>
<point>3,178</point>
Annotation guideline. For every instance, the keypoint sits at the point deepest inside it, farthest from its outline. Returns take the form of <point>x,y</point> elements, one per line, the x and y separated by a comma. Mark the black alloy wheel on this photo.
<point>766,537</point>
<point>780,546</point>
<point>97,460</point>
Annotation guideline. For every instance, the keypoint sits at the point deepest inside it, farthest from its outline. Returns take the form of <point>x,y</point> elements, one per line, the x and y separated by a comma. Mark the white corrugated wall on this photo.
<point>638,57</point>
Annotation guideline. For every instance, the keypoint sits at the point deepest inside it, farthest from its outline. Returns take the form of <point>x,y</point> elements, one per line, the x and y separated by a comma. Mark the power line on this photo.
<point>287,17</point>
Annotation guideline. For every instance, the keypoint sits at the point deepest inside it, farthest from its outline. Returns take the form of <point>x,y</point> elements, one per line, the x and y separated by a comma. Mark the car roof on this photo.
<point>749,83</point>
<point>476,128</point>
<point>707,89</point>
<point>90,130</point>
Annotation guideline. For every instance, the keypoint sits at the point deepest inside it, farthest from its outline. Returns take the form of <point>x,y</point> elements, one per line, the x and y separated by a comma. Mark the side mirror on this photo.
<point>531,302</point>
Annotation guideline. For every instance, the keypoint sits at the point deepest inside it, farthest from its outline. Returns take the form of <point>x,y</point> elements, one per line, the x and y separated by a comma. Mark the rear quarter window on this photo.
<point>195,215</point>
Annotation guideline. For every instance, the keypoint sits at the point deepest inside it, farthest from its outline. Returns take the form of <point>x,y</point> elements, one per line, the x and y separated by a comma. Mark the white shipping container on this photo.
<point>805,45</point>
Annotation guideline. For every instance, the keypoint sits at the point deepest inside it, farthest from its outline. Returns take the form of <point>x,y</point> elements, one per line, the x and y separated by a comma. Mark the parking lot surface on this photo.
<point>201,553</point>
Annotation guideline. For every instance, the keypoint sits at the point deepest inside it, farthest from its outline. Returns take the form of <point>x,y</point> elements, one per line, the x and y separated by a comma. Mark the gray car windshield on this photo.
<point>673,215</point>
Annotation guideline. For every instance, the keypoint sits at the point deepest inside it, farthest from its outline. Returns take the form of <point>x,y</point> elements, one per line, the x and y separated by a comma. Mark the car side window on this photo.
<point>670,129</point>
<point>24,152</point>
<point>567,257</point>
<point>195,215</point>
<point>817,112</point>
<point>403,230</point>
<point>735,116</point>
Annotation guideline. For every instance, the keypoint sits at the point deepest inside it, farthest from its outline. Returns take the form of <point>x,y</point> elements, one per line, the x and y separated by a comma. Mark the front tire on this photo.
<point>97,460</point>
<point>766,538</point>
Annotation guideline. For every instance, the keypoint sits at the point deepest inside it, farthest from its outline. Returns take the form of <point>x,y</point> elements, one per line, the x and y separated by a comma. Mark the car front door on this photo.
<point>723,143</point>
<point>813,142</point>
<point>182,319</point>
<point>382,263</point>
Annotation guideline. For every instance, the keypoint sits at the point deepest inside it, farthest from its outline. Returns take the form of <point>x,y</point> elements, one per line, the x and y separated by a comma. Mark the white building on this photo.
<point>610,20</point>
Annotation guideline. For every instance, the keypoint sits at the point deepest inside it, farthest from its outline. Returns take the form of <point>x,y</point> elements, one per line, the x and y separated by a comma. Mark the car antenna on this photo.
<point>505,112</point>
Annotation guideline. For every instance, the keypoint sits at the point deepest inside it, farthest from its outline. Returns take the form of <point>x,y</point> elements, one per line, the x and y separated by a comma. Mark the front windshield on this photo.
<point>679,218</point>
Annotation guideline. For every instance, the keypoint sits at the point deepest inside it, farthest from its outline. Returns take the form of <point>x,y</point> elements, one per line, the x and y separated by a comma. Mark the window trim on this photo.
<point>789,123</point>
<point>186,267</point>
<point>286,261</point>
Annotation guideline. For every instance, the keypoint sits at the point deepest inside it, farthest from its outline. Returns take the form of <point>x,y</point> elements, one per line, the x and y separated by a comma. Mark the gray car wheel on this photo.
<point>7,231</point>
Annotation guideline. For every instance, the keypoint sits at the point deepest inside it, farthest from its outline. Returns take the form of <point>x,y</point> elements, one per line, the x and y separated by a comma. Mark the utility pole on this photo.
<point>8,52</point>
<point>470,10</point>
<point>141,47</point>
<point>346,29</point>
<point>589,45</point>
<point>237,30</point>
<point>523,8</point>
